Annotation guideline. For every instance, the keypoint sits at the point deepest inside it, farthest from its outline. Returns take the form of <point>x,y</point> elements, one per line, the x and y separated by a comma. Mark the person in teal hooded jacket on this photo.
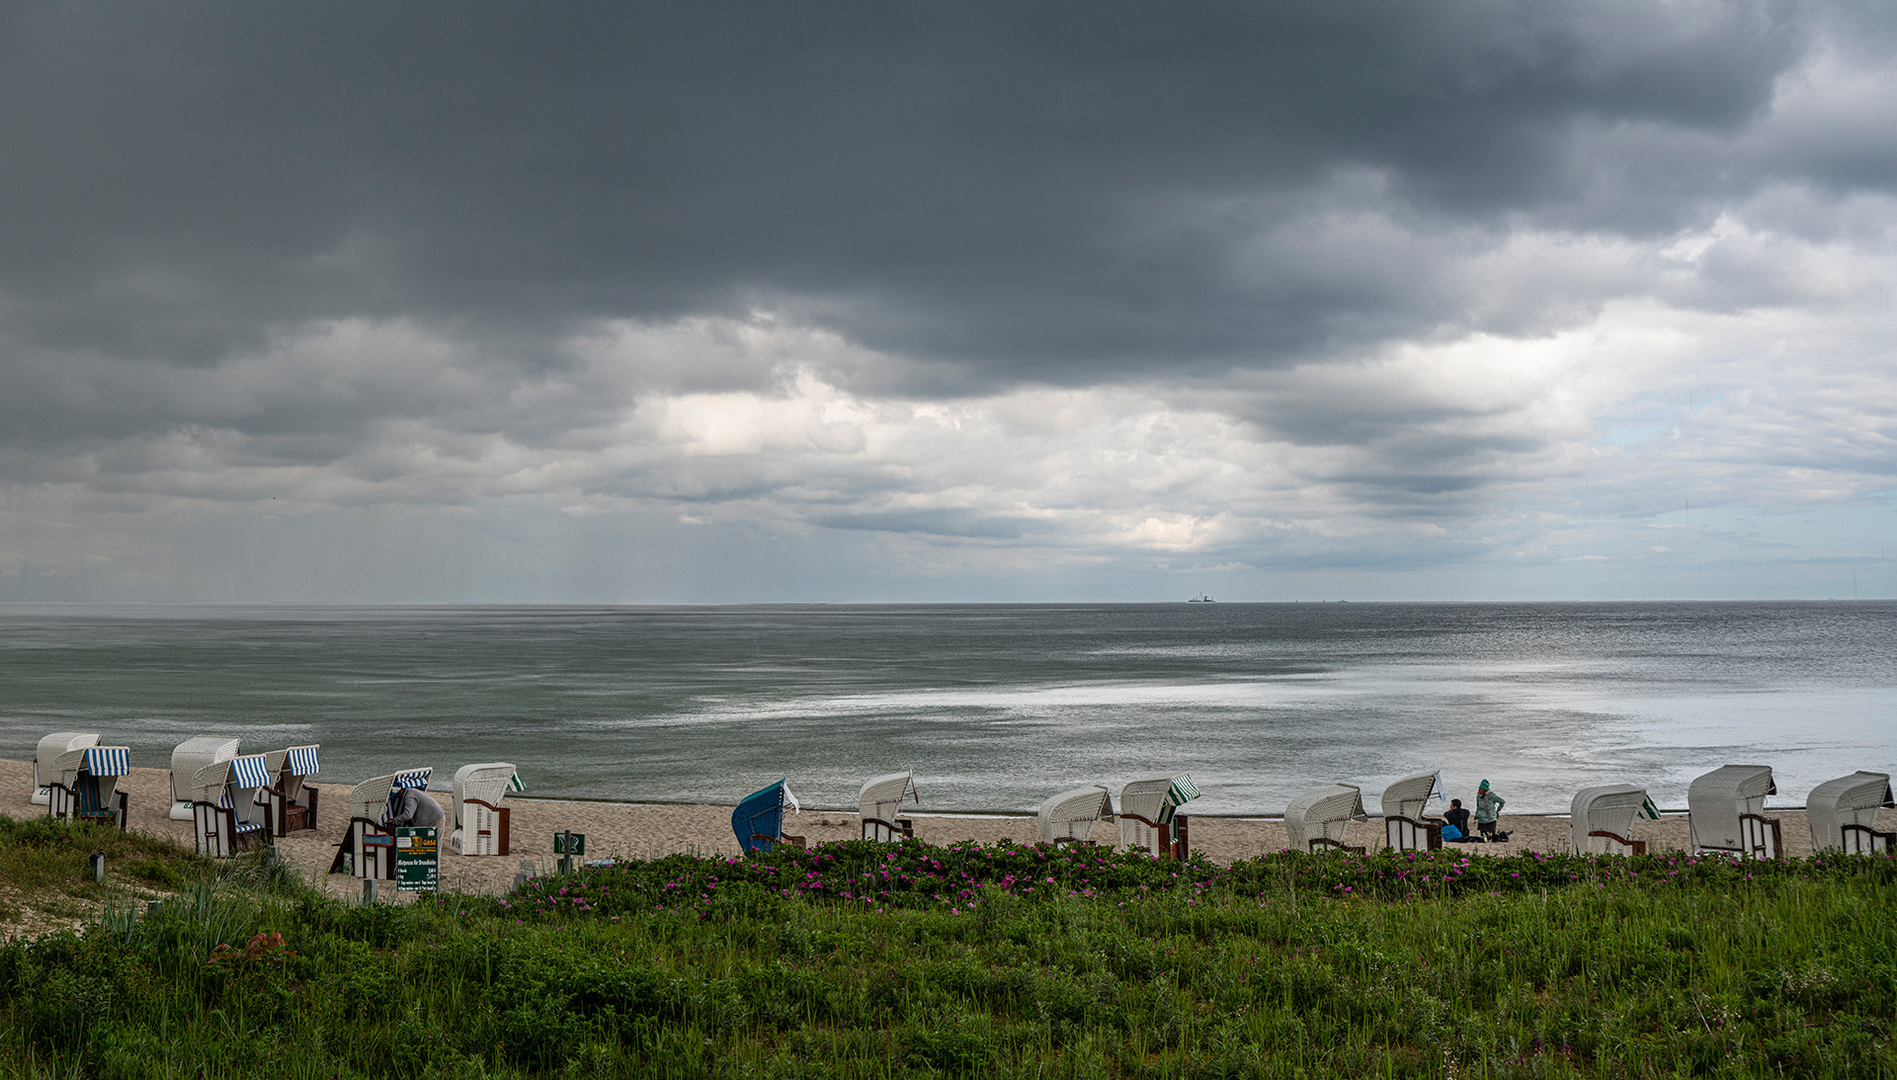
<point>1487,805</point>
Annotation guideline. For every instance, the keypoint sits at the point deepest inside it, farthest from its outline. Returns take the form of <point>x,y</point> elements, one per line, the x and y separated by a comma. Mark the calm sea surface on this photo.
<point>994,707</point>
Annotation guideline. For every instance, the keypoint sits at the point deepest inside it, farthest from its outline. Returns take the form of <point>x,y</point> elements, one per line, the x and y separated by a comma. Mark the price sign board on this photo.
<point>417,860</point>
<point>560,844</point>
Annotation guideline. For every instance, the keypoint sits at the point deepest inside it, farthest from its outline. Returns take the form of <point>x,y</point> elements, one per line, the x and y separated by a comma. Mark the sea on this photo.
<point>994,707</point>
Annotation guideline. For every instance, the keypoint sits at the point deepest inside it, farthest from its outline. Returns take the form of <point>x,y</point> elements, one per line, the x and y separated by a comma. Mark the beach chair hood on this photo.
<point>1715,801</point>
<point>51,747</point>
<point>1848,800</point>
<point>882,796</point>
<point>1609,808</point>
<point>1322,813</point>
<point>1071,814</point>
<point>489,782</point>
<point>375,799</point>
<point>1408,797</point>
<point>193,754</point>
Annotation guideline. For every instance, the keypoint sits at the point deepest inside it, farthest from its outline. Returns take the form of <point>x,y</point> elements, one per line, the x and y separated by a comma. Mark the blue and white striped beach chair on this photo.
<point>87,788</point>
<point>291,795</point>
<point>46,761</point>
<point>228,813</point>
<point>367,850</point>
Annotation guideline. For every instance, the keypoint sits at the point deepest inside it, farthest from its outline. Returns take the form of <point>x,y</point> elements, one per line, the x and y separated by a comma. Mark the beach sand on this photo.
<point>647,830</point>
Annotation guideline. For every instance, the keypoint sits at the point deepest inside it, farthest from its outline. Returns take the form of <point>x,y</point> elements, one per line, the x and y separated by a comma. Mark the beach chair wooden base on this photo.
<point>1759,837</point>
<point>293,815</point>
<point>787,840</point>
<point>1864,840</point>
<point>367,850</point>
<point>220,835</point>
<point>1319,844</point>
<point>1620,845</point>
<point>888,831</point>
<point>1408,834</point>
<point>1170,841</point>
<point>487,829</point>
<point>81,802</point>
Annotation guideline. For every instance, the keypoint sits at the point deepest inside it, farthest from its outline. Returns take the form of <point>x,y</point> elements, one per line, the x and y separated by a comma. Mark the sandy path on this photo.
<point>641,830</point>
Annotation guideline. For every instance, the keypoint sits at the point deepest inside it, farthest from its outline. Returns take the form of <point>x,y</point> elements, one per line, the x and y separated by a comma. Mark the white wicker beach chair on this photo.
<point>292,796</point>
<point>1070,816</point>
<point>879,802</point>
<point>1843,814</point>
<point>1318,819</point>
<point>1602,818</point>
<point>187,759</point>
<point>46,761</point>
<point>229,812</point>
<point>1149,817</point>
<point>482,825</point>
<point>367,850</point>
<point>1404,826</point>
<point>87,786</point>
<point>1726,809</point>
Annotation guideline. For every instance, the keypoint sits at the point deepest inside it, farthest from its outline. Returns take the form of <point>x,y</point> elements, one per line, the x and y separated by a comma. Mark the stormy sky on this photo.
<point>901,301</point>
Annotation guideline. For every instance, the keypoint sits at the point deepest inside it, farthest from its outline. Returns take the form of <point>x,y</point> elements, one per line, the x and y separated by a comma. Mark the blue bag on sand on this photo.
<point>1450,832</point>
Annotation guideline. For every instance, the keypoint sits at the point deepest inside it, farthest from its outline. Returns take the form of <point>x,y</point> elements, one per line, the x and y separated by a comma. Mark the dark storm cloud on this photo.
<point>1062,192</point>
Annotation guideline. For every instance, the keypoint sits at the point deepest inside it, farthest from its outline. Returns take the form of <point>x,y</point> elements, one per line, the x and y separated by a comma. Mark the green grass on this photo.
<point>47,859</point>
<point>941,962</point>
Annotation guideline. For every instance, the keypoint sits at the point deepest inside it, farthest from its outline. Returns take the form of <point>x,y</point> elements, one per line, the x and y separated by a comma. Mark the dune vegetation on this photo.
<point>865,960</point>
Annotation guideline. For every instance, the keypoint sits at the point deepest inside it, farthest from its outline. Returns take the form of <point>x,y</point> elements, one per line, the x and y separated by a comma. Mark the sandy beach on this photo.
<point>646,830</point>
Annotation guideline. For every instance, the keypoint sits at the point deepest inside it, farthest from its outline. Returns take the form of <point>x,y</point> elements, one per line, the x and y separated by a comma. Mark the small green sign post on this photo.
<point>417,860</point>
<point>571,845</point>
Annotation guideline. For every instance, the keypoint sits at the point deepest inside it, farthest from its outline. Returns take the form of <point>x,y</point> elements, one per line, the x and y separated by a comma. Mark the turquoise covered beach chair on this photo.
<point>758,821</point>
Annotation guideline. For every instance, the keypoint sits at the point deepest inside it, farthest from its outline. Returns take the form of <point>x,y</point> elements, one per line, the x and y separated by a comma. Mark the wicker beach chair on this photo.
<point>758,821</point>
<point>1843,814</point>
<point>877,805</point>
<point>228,811</point>
<point>87,786</point>
<point>1318,819</point>
<point>1070,816</point>
<point>1149,817</point>
<point>187,759</point>
<point>1601,819</point>
<point>1726,809</point>
<point>367,849</point>
<point>46,761</point>
<point>291,795</point>
<point>1404,826</point>
<point>482,826</point>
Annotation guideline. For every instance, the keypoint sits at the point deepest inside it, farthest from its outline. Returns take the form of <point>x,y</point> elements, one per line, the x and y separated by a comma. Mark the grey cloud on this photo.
<point>972,185</point>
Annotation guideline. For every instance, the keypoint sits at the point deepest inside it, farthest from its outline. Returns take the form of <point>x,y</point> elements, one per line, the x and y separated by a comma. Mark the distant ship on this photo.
<point>1202,599</point>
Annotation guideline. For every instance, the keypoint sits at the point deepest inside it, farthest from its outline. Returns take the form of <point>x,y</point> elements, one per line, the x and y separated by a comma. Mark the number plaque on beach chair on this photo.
<point>1317,820</point>
<point>1843,814</point>
<point>1726,811</point>
<point>1404,826</point>
<point>87,787</point>
<point>878,802</point>
<point>1149,818</point>
<point>367,849</point>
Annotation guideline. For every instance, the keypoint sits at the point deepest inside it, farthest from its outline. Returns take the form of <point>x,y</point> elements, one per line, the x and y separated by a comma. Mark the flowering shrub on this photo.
<point>962,878</point>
